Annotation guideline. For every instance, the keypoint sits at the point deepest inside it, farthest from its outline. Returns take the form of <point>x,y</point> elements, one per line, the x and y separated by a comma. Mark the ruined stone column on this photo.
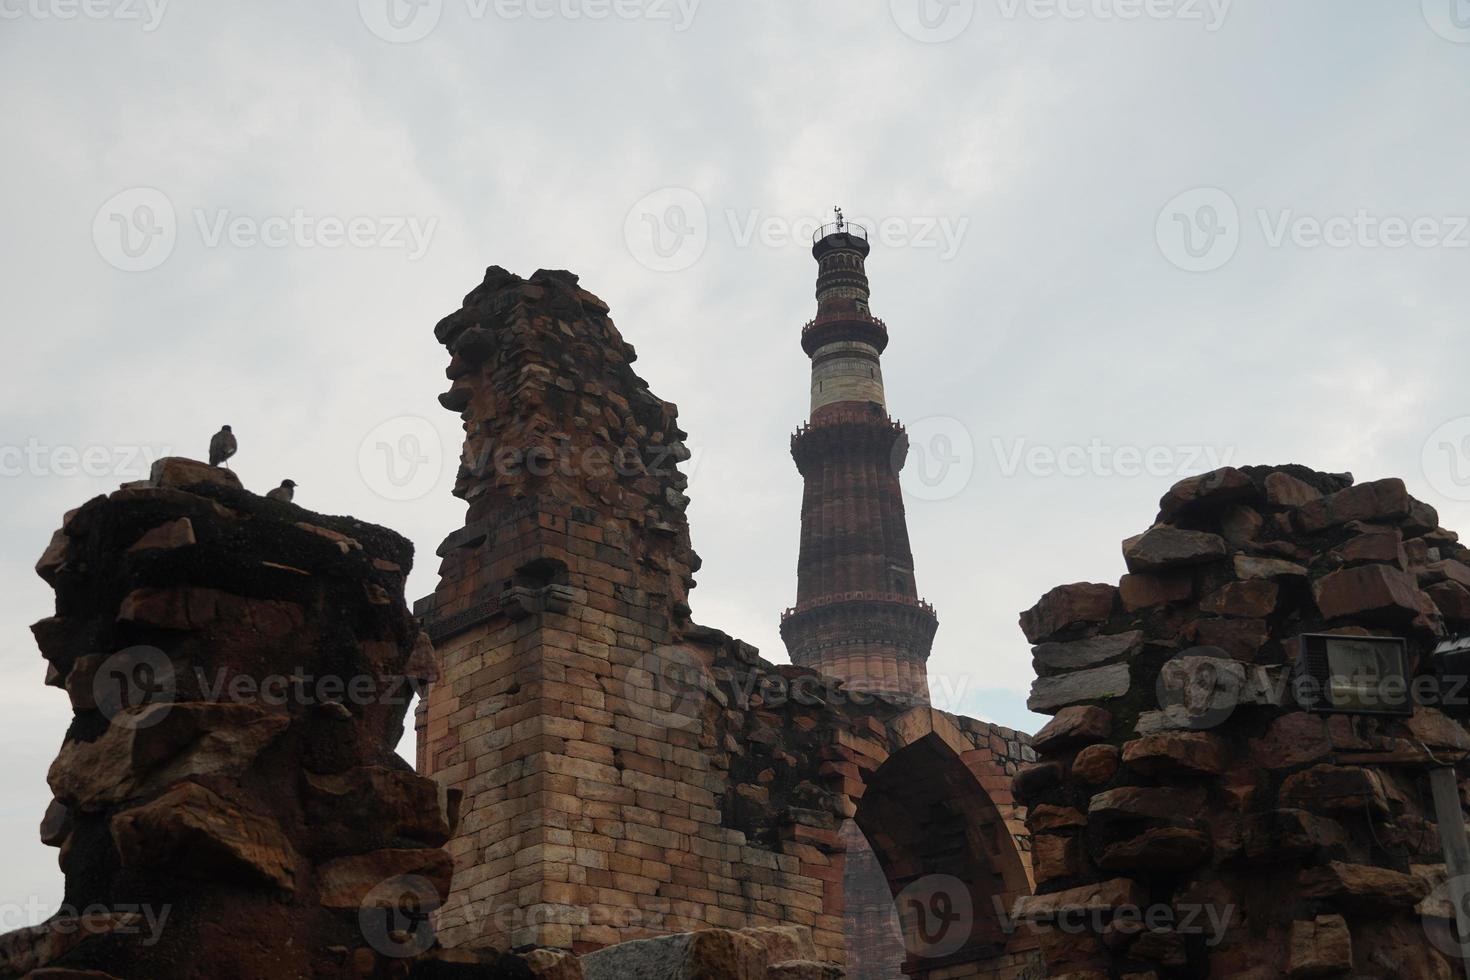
<point>227,800</point>
<point>1190,819</point>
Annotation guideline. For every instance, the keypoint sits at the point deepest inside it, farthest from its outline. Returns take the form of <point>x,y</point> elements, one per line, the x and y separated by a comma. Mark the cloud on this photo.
<point>1058,320</point>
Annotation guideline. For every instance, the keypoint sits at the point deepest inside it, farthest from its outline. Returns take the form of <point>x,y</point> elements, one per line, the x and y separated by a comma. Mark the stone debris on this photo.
<point>1180,775</point>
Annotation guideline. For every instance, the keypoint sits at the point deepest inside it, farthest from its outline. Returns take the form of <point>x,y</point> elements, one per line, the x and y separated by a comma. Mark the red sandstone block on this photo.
<point>830,872</point>
<point>811,835</point>
<point>808,855</point>
<point>994,782</point>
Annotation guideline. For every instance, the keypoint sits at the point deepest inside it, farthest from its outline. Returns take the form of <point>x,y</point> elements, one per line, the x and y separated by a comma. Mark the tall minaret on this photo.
<point>858,615</point>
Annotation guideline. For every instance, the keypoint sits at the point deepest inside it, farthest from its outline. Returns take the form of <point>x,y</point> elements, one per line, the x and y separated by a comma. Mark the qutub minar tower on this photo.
<point>858,616</point>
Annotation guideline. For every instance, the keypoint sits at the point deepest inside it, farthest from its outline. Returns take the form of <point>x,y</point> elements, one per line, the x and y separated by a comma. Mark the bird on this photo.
<point>284,492</point>
<point>222,447</point>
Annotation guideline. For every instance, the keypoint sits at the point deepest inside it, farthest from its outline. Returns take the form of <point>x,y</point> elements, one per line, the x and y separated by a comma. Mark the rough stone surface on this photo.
<point>1291,741</point>
<point>1165,547</point>
<point>1285,490</point>
<point>192,831</point>
<point>1312,833</point>
<point>1067,607</point>
<point>1077,725</point>
<point>178,472</point>
<point>1252,599</point>
<point>1327,787</point>
<point>1090,652</point>
<point>1249,567</point>
<point>1103,896</point>
<point>1360,883</point>
<point>1096,764</point>
<point>1215,489</point>
<point>1320,947</point>
<point>1143,590</point>
<point>1157,849</point>
<point>172,534</point>
<point>1194,752</point>
<point>549,964</point>
<point>714,953</point>
<point>1382,500</point>
<point>1050,693</point>
<point>221,663</point>
<point>1367,590</point>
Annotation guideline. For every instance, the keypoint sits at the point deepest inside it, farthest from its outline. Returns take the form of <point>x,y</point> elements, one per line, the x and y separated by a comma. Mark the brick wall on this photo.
<point>625,772</point>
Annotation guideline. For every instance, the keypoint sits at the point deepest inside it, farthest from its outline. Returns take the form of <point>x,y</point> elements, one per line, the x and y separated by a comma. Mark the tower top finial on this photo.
<point>844,234</point>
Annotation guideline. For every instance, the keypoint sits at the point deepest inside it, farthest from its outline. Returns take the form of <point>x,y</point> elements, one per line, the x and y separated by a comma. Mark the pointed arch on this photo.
<point>935,814</point>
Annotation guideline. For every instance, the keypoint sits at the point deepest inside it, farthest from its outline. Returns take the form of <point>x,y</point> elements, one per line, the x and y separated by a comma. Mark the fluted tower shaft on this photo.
<point>858,615</point>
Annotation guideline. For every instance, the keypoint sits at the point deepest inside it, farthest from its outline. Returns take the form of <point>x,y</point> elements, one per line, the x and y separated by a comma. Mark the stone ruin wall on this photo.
<point>228,801</point>
<point>1179,776</point>
<point>217,811</point>
<point>605,770</point>
<point>592,747</point>
<point>624,772</point>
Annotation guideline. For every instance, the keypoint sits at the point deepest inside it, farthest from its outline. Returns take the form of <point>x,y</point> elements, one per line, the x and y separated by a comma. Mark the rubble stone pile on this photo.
<point>1189,819</point>
<point>227,799</point>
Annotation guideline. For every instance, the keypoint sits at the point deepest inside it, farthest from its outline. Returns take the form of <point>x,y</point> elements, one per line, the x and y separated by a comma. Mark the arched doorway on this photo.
<point>930,854</point>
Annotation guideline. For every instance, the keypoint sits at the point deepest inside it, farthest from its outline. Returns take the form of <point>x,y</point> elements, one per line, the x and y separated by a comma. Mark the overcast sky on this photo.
<point>1116,242</point>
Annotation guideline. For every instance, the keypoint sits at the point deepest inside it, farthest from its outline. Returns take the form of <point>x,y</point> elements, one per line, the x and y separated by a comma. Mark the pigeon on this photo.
<point>222,447</point>
<point>284,492</point>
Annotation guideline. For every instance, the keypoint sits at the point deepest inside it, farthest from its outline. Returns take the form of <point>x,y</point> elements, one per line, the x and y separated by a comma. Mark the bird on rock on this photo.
<point>284,492</point>
<point>222,446</point>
